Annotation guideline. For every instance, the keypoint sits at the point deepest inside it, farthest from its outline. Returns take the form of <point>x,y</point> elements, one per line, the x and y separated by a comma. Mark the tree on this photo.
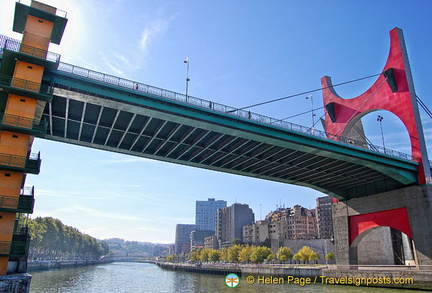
<point>329,256</point>
<point>50,238</point>
<point>271,257</point>
<point>305,253</point>
<point>170,257</point>
<point>236,241</point>
<point>245,252</point>
<point>284,253</point>
<point>296,257</point>
<point>214,255</point>
<point>233,253</point>
<point>204,255</point>
<point>259,254</point>
<point>224,254</point>
<point>314,257</point>
<point>194,255</point>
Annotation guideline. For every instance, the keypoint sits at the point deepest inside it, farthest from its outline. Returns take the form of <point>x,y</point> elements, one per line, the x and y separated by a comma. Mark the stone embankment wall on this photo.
<point>391,276</point>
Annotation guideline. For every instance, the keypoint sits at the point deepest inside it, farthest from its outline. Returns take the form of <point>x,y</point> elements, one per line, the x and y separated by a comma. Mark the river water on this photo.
<point>142,277</point>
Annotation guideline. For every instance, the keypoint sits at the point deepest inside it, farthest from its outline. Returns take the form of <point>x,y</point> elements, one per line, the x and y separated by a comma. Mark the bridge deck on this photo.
<point>125,118</point>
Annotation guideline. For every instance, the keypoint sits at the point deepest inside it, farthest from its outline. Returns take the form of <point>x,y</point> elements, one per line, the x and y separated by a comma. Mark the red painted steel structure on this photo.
<point>395,218</point>
<point>392,91</point>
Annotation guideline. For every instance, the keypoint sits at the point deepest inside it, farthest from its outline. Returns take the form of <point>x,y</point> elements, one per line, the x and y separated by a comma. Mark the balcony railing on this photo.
<point>26,85</point>
<point>20,163</point>
<point>18,204</point>
<point>23,203</point>
<point>17,46</point>
<point>58,12</point>
<point>18,247</point>
<point>13,121</point>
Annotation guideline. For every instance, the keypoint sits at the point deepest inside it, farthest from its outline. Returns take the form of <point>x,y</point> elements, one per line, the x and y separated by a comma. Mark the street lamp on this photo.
<point>187,76</point>
<point>380,119</point>
<point>313,114</point>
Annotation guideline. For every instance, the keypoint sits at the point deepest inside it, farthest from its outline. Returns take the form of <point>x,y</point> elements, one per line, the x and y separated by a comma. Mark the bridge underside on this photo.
<point>100,117</point>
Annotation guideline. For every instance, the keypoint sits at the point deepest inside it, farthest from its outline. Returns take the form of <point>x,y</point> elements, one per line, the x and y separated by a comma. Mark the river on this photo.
<point>142,277</point>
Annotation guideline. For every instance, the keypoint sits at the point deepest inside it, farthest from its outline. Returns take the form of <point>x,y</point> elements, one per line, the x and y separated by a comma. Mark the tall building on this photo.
<point>197,238</point>
<point>301,224</point>
<point>324,217</point>
<point>295,223</point>
<point>230,222</point>
<point>182,238</point>
<point>205,213</point>
<point>23,97</point>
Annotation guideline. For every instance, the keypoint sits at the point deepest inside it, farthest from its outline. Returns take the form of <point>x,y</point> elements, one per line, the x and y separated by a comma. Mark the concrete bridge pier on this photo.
<point>388,228</point>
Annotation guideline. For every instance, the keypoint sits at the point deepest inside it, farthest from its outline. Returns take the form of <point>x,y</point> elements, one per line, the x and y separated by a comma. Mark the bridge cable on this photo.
<point>361,133</point>
<point>302,114</point>
<point>423,105</point>
<point>359,108</point>
<point>306,92</point>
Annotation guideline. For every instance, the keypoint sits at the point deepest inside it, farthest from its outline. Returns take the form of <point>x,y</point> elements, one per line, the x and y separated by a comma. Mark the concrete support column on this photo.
<point>414,199</point>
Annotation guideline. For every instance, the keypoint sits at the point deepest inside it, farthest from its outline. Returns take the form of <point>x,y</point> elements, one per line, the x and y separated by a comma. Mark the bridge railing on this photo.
<point>148,89</point>
<point>159,92</point>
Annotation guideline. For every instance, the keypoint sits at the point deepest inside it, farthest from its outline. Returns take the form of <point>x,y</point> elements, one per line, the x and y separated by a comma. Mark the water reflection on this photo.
<point>137,278</point>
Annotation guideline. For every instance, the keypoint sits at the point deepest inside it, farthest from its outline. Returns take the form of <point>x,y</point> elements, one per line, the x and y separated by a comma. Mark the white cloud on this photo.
<point>154,29</point>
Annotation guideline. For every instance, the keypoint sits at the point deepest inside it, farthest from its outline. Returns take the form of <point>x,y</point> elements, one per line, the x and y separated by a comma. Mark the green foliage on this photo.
<point>305,254</point>
<point>170,257</point>
<point>329,256</point>
<point>204,255</point>
<point>51,239</point>
<point>214,255</point>
<point>271,256</point>
<point>135,248</point>
<point>260,253</point>
<point>245,252</point>
<point>237,241</point>
<point>194,255</point>
<point>284,253</point>
<point>224,254</point>
<point>314,257</point>
<point>234,252</point>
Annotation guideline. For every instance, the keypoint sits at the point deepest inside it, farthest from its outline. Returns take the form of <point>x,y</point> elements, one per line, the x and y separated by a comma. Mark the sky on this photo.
<point>240,53</point>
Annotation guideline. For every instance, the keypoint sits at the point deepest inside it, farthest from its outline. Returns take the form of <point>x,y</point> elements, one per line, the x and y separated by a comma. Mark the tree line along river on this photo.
<point>142,277</point>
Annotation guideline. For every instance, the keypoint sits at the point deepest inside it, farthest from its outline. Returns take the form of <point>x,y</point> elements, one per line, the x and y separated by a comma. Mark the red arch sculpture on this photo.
<point>393,91</point>
<point>395,218</point>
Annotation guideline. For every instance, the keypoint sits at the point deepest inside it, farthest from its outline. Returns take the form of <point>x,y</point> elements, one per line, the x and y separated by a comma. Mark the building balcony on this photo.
<point>23,125</point>
<point>30,164</point>
<point>26,88</point>
<point>43,11</point>
<point>18,247</point>
<point>15,50</point>
<point>24,203</point>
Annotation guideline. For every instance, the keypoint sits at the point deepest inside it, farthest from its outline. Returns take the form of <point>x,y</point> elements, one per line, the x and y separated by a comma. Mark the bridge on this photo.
<point>43,97</point>
<point>97,110</point>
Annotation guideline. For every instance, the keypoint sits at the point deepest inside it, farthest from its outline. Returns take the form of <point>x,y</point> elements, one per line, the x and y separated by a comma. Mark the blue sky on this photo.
<point>241,53</point>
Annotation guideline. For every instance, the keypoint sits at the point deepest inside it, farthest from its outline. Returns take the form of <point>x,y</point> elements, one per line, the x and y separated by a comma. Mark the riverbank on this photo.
<point>384,276</point>
<point>45,265</point>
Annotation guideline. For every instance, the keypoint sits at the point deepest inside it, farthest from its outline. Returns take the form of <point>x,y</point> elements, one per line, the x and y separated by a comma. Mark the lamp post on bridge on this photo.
<point>380,119</point>
<point>187,76</point>
<point>313,114</point>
